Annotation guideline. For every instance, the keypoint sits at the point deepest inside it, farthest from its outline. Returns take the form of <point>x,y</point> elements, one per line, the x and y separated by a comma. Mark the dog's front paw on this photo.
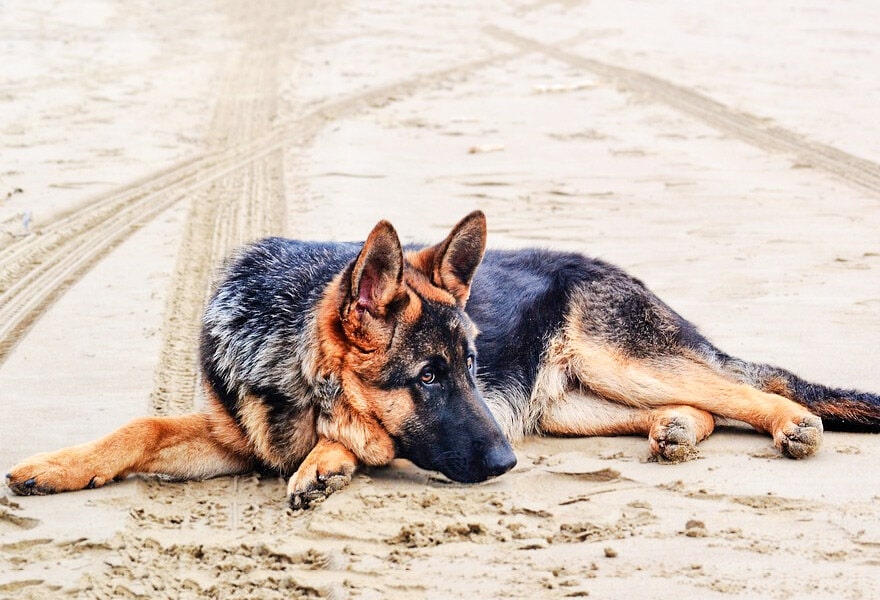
<point>19,481</point>
<point>53,472</point>
<point>306,492</point>
<point>327,469</point>
<point>800,437</point>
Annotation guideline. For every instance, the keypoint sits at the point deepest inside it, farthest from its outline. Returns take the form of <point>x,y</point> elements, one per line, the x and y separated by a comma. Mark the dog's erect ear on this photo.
<point>452,263</point>
<point>377,275</point>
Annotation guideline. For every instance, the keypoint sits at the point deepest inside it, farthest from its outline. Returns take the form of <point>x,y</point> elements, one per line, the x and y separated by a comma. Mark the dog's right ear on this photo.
<point>375,286</point>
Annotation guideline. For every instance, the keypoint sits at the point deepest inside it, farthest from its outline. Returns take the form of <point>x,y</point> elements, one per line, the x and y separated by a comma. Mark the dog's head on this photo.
<point>406,356</point>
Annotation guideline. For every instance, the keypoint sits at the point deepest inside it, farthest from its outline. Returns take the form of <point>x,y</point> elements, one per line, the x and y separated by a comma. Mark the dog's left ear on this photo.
<point>452,263</point>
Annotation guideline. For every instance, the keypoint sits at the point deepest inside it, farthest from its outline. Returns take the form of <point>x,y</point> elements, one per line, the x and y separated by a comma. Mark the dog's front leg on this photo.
<point>183,447</point>
<point>327,468</point>
<point>345,438</point>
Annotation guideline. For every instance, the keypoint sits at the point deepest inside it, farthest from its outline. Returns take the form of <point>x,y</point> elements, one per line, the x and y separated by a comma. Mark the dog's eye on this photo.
<point>470,363</point>
<point>427,376</point>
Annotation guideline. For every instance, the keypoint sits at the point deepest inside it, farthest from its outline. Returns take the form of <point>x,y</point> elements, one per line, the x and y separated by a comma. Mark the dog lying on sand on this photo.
<point>317,357</point>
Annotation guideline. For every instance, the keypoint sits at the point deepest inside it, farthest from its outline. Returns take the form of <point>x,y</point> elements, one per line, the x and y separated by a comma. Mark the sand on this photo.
<point>729,156</point>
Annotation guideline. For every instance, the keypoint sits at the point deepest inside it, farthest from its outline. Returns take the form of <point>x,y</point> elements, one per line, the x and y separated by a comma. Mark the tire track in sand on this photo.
<point>36,270</point>
<point>242,206</point>
<point>855,171</point>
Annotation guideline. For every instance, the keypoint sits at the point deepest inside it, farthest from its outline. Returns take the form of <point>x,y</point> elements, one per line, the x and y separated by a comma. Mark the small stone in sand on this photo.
<point>694,528</point>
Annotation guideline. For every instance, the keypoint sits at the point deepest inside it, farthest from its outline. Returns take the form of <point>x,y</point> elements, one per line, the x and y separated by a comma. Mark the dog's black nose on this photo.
<point>499,459</point>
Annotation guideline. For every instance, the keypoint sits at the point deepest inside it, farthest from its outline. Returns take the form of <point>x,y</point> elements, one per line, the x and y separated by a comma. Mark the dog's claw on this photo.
<point>307,498</point>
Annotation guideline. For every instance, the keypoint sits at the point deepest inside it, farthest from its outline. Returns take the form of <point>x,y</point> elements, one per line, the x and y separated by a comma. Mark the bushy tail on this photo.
<point>839,409</point>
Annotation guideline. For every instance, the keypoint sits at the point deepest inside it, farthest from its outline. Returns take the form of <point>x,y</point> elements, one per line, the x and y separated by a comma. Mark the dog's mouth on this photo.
<point>466,446</point>
<point>473,468</point>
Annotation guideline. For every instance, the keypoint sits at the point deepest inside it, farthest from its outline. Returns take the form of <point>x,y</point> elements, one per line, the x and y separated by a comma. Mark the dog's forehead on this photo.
<point>440,329</point>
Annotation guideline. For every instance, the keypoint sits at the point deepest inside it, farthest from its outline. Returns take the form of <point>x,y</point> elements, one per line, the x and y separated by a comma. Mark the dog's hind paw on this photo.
<point>674,441</point>
<point>800,438</point>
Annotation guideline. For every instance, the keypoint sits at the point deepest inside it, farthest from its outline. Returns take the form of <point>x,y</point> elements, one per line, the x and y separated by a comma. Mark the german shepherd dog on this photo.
<point>317,357</point>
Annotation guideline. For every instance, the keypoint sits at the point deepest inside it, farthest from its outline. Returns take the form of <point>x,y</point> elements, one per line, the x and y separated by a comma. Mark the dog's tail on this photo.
<point>839,409</point>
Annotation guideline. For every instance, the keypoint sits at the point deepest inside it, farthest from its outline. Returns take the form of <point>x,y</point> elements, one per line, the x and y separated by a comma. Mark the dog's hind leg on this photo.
<point>673,431</point>
<point>677,379</point>
<point>193,446</point>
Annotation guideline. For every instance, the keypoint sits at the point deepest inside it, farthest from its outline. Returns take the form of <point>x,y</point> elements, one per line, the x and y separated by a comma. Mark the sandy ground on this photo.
<point>730,159</point>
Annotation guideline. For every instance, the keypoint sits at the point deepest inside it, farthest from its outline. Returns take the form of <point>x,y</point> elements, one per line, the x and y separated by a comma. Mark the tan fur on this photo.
<point>413,308</point>
<point>393,409</point>
<point>356,352</point>
<point>254,419</point>
<point>300,435</point>
<point>222,426</point>
<point>422,260</point>
<point>186,447</point>
<point>675,380</point>
<point>703,422</point>
<point>673,431</point>
<point>777,385</point>
<point>352,347</point>
<point>359,432</point>
<point>581,413</point>
<point>418,280</point>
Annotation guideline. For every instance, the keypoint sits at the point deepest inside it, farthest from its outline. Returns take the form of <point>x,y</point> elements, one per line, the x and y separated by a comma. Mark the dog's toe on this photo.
<point>335,482</point>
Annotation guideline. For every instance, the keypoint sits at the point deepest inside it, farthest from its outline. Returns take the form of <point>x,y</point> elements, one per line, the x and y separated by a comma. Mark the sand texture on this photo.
<point>728,155</point>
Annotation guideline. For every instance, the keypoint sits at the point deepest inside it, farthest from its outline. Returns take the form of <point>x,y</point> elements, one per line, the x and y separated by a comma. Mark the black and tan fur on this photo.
<point>317,357</point>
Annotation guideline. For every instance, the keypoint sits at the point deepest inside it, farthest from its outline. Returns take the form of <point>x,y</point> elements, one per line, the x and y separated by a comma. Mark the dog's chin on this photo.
<point>455,472</point>
<point>463,473</point>
<point>461,477</point>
